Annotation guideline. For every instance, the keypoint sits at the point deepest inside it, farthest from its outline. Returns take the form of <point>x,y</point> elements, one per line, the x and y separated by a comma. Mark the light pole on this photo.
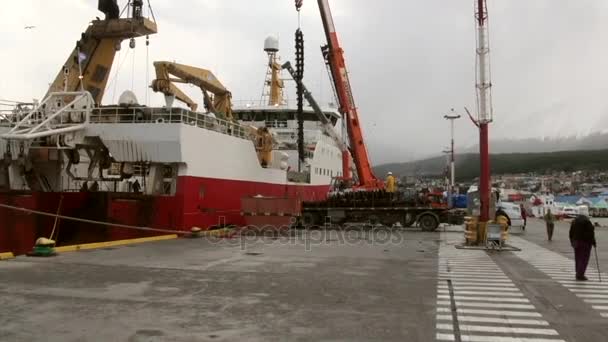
<point>451,117</point>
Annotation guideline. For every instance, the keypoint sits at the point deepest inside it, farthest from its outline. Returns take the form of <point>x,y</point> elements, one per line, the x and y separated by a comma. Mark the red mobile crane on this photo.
<point>334,57</point>
<point>367,205</point>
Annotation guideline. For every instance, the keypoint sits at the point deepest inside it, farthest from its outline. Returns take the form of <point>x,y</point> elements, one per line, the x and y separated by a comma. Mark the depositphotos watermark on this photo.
<point>309,237</point>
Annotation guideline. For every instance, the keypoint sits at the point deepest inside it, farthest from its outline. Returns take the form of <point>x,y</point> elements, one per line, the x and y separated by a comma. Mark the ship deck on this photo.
<point>307,287</point>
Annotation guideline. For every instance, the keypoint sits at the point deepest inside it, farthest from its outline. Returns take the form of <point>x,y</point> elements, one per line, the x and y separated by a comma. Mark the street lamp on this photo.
<point>451,117</point>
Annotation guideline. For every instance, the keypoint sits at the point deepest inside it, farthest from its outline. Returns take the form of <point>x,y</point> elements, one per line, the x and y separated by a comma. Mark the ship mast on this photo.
<point>273,75</point>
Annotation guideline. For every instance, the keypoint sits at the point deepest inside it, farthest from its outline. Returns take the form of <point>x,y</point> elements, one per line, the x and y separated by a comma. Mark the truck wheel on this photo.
<point>408,220</point>
<point>373,220</point>
<point>309,220</point>
<point>428,223</point>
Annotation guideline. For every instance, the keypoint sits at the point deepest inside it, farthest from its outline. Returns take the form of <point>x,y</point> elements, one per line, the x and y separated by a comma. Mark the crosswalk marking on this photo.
<point>477,301</point>
<point>480,319</point>
<point>593,296</point>
<point>466,338</point>
<point>481,288</point>
<point>596,301</point>
<point>505,330</point>
<point>491,299</point>
<point>561,269</point>
<point>501,313</point>
<point>481,293</point>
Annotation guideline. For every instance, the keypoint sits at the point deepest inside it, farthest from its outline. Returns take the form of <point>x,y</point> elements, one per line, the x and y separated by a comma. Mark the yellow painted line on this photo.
<point>108,244</point>
<point>6,256</point>
<point>217,232</point>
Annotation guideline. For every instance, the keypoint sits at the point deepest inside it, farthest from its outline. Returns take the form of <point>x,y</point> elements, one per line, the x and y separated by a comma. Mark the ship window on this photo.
<point>201,192</point>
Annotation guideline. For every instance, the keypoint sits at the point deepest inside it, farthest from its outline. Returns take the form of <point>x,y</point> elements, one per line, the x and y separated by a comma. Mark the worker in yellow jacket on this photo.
<point>391,183</point>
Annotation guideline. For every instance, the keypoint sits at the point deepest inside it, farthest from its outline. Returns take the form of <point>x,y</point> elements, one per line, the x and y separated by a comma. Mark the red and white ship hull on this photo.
<point>214,171</point>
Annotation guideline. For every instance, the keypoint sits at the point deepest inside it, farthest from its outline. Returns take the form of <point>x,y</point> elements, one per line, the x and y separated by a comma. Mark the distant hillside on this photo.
<point>591,142</point>
<point>467,165</point>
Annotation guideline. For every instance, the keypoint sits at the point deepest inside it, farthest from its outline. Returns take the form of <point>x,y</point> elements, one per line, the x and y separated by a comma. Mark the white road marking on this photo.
<point>499,320</point>
<point>488,304</point>
<point>465,338</point>
<point>561,269</point>
<point>502,289</point>
<point>481,293</point>
<point>584,295</point>
<point>596,301</point>
<point>504,330</point>
<point>486,299</point>
<point>494,305</point>
<point>492,312</point>
<point>445,337</point>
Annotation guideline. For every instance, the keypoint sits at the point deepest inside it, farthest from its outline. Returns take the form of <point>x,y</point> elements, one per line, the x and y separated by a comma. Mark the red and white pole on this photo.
<point>484,106</point>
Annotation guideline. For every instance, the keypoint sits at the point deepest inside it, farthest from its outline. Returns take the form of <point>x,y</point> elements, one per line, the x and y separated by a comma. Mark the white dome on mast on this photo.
<point>271,44</point>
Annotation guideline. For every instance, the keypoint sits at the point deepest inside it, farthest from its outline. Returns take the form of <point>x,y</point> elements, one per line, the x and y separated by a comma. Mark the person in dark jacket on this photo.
<point>582,239</point>
<point>524,215</point>
<point>550,222</point>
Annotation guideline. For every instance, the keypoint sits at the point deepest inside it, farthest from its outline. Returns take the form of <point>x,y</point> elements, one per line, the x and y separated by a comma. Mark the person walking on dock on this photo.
<point>582,239</point>
<point>550,222</point>
<point>524,215</point>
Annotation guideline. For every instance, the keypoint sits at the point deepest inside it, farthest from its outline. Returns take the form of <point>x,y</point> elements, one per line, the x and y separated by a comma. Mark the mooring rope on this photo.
<point>102,223</point>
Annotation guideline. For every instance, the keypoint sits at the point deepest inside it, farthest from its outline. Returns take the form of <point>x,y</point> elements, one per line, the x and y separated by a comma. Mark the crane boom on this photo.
<point>204,79</point>
<point>335,59</point>
<point>327,125</point>
<point>88,66</point>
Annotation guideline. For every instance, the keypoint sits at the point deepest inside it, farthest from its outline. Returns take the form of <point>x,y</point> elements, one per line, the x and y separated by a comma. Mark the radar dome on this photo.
<point>271,44</point>
<point>128,98</point>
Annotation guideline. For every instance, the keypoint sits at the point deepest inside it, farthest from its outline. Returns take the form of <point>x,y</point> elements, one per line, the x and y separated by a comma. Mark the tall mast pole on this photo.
<point>484,105</point>
<point>451,187</point>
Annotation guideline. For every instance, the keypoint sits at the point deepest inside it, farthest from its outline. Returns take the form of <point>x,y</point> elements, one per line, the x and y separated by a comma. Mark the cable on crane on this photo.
<point>300,94</point>
<point>299,4</point>
<point>147,69</point>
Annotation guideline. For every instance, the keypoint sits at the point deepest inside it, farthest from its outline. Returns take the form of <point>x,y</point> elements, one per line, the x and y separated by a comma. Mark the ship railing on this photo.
<point>277,124</point>
<point>58,113</point>
<point>288,103</point>
<point>147,115</point>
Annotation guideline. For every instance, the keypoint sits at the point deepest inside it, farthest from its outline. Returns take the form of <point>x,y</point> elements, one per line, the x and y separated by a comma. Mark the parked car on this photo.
<point>513,211</point>
<point>569,212</point>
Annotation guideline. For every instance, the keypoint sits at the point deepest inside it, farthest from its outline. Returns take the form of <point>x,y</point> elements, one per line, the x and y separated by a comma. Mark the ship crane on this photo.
<point>220,104</point>
<point>88,66</point>
<point>334,56</point>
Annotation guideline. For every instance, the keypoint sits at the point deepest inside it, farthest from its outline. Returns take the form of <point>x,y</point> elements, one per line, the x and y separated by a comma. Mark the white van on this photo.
<point>513,211</point>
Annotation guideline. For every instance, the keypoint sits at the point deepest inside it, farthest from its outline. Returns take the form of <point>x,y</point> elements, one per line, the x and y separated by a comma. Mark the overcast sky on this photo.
<point>409,61</point>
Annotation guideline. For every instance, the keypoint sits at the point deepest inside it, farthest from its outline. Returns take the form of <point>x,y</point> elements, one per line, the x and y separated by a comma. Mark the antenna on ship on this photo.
<point>272,95</point>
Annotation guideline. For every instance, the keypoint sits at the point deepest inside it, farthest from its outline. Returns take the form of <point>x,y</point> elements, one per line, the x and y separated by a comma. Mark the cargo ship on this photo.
<point>167,167</point>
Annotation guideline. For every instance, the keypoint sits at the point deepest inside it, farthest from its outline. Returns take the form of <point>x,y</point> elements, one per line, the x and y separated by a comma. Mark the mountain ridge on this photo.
<point>467,164</point>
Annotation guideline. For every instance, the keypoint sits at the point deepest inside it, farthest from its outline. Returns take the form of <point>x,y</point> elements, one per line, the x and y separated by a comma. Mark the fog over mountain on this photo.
<point>512,151</point>
<point>594,141</point>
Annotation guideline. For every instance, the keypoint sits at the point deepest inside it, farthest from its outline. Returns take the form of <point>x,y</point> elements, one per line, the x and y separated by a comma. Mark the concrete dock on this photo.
<point>316,286</point>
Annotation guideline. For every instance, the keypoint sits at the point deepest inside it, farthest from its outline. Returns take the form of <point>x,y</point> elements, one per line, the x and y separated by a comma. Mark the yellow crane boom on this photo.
<point>88,66</point>
<point>220,104</point>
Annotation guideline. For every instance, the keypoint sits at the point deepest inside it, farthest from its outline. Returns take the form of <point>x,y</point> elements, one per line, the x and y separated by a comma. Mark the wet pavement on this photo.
<point>317,286</point>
